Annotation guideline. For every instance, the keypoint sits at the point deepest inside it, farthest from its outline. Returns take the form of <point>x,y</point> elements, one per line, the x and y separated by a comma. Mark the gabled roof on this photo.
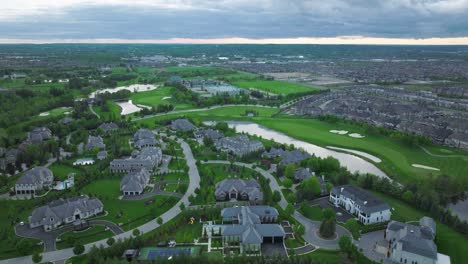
<point>36,175</point>
<point>368,202</point>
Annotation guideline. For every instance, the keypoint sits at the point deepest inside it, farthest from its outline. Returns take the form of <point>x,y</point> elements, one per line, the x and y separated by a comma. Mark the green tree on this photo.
<point>24,247</point>
<point>328,213</point>
<point>36,257</point>
<point>310,188</point>
<point>110,241</point>
<point>276,196</point>
<point>287,183</point>
<point>345,244</point>
<point>353,226</point>
<point>159,221</point>
<point>289,209</point>
<point>327,228</point>
<point>292,198</point>
<point>290,170</point>
<point>136,232</point>
<point>182,206</point>
<point>408,196</point>
<point>78,249</point>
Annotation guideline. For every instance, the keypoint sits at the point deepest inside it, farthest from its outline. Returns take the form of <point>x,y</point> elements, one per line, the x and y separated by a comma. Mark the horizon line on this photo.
<point>340,40</point>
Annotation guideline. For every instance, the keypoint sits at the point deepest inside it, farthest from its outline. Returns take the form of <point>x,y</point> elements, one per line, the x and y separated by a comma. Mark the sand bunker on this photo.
<point>356,135</point>
<point>340,132</point>
<point>44,114</point>
<point>166,97</point>
<point>425,167</point>
<point>128,107</point>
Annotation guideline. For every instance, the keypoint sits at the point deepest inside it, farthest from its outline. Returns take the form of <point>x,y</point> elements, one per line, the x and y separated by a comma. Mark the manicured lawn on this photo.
<point>113,113</point>
<point>223,113</point>
<point>188,233</point>
<point>312,212</point>
<point>92,234</point>
<point>448,241</point>
<point>324,256</point>
<point>158,97</point>
<point>12,211</point>
<point>276,87</point>
<point>130,214</point>
<point>61,171</point>
<point>397,157</point>
<point>176,176</point>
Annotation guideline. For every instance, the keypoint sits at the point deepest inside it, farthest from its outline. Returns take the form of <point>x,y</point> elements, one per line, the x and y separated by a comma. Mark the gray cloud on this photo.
<point>249,19</point>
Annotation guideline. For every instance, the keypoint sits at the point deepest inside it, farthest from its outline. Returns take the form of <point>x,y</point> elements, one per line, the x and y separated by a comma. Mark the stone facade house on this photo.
<point>410,243</point>
<point>148,158</point>
<point>34,180</point>
<point>239,145</point>
<point>238,189</point>
<point>134,183</point>
<point>251,226</point>
<point>107,127</point>
<point>95,142</point>
<point>182,125</point>
<point>60,212</point>
<point>39,135</point>
<point>144,138</point>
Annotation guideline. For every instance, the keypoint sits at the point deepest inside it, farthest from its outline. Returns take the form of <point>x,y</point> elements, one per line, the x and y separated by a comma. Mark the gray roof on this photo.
<point>95,142</point>
<point>302,174</point>
<point>148,157</point>
<point>209,133</point>
<point>182,124</point>
<point>368,202</point>
<point>135,181</point>
<point>414,239</point>
<point>58,210</point>
<point>108,126</point>
<point>37,176</point>
<point>243,187</point>
<point>428,227</point>
<point>66,120</point>
<point>250,228</point>
<point>293,156</point>
<point>101,155</point>
<point>239,145</point>
<point>39,134</point>
<point>143,134</point>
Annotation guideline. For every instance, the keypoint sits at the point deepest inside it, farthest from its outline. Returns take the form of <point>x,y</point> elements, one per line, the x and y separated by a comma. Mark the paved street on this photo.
<point>63,254</point>
<point>311,227</point>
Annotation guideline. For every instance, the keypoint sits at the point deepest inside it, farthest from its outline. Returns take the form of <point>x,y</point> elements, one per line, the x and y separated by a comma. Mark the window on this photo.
<point>401,259</point>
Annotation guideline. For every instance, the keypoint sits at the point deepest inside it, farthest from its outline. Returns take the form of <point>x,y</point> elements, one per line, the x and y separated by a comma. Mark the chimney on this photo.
<point>365,202</point>
<point>342,188</point>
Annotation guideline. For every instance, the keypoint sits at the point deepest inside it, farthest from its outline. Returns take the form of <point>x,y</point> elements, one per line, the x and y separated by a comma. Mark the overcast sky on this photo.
<point>231,20</point>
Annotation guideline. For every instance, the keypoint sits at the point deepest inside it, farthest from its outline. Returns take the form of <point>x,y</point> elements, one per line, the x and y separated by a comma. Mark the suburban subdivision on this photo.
<point>230,154</point>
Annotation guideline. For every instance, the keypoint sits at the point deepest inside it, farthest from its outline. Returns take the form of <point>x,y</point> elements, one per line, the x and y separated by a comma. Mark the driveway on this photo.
<point>311,227</point>
<point>49,238</point>
<point>63,254</point>
<point>325,203</point>
<point>368,243</point>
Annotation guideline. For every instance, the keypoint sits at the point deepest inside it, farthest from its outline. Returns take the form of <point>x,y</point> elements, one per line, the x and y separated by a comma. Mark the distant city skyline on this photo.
<point>412,22</point>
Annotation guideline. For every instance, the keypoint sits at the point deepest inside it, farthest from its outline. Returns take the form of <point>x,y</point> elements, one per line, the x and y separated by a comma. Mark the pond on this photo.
<point>351,162</point>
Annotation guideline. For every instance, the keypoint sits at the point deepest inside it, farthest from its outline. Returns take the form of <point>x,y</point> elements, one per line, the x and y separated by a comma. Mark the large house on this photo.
<point>286,156</point>
<point>238,189</point>
<point>239,145</point>
<point>134,183</point>
<point>34,180</point>
<point>182,125</point>
<point>413,244</point>
<point>39,135</point>
<point>106,127</point>
<point>148,158</point>
<point>367,207</point>
<point>251,226</point>
<point>59,212</point>
<point>211,134</point>
<point>144,138</point>
<point>95,142</point>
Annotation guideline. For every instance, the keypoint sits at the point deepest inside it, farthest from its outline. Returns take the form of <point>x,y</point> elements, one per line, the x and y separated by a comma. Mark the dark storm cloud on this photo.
<point>249,19</point>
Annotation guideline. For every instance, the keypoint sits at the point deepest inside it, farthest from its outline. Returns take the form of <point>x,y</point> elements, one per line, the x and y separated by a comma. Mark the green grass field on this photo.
<point>113,113</point>
<point>158,97</point>
<point>134,213</point>
<point>61,171</point>
<point>397,157</point>
<point>276,87</point>
<point>92,234</point>
<point>312,212</point>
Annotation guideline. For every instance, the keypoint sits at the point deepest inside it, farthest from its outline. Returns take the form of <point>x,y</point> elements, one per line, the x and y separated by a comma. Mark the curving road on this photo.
<point>311,227</point>
<point>60,255</point>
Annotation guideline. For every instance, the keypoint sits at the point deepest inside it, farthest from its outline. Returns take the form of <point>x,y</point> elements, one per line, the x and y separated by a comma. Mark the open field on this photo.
<point>113,113</point>
<point>397,156</point>
<point>130,213</point>
<point>276,87</point>
<point>223,113</point>
<point>89,235</point>
<point>156,97</point>
<point>448,241</point>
